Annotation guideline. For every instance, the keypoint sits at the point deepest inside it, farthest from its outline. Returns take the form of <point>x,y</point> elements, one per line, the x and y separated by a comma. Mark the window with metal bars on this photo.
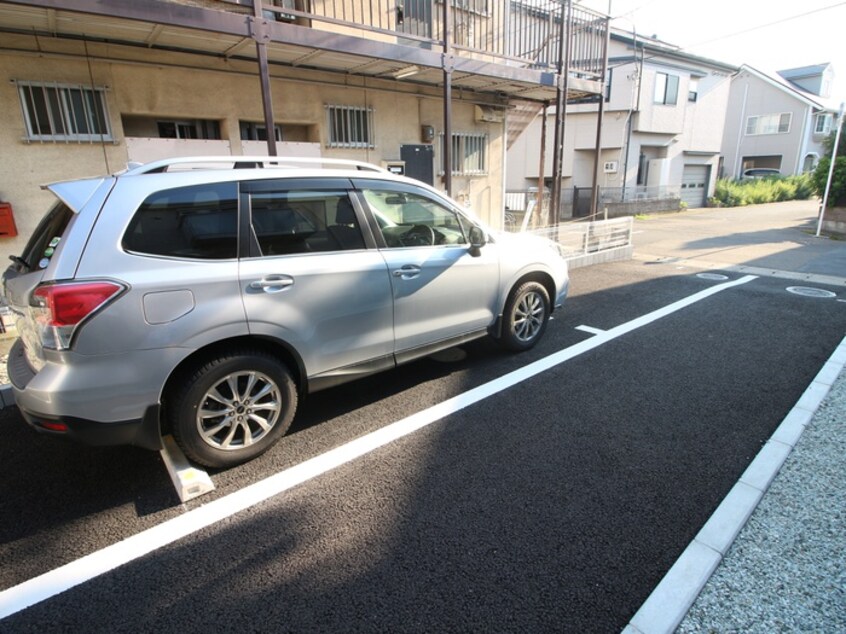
<point>469,154</point>
<point>64,112</point>
<point>350,127</point>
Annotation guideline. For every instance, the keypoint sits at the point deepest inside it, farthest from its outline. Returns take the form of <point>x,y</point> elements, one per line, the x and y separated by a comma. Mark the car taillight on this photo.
<point>59,308</point>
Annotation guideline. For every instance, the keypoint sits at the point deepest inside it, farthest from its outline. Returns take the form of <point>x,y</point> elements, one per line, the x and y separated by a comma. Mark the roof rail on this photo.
<point>246,162</point>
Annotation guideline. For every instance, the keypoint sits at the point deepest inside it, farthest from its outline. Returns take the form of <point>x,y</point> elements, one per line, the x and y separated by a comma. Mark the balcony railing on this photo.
<point>524,33</point>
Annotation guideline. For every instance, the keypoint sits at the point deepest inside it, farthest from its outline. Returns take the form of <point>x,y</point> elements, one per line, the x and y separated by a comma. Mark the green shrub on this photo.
<point>732,193</point>
<point>837,193</point>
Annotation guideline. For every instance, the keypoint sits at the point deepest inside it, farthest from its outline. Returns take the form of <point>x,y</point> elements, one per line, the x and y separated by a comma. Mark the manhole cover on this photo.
<point>717,277</point>
<point>808,291</point>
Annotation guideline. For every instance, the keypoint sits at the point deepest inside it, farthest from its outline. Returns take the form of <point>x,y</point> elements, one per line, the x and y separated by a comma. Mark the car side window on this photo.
<point>412,220</point>
<point>298,221</point>
<point>196,222</point>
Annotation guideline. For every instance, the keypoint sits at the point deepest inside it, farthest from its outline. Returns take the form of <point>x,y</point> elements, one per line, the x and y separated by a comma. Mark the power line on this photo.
<point>677,48</point>
<point>764,26</point>
<point>635,10</point>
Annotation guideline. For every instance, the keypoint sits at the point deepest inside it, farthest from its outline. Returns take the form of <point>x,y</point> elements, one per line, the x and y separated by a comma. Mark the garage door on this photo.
<point>694,185</point>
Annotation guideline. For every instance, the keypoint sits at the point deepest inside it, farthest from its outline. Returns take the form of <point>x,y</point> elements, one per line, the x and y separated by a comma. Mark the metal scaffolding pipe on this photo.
<point>261,36</point>
<point>563,86</point>
<point>448,66</point>
<point>594,194</point>
<point>542,167</point>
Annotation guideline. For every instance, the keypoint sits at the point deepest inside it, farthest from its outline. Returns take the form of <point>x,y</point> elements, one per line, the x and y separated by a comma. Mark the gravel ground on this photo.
<point>786,572</point>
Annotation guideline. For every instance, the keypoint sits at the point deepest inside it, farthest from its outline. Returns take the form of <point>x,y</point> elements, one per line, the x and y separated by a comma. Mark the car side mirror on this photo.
<point>477,240</point>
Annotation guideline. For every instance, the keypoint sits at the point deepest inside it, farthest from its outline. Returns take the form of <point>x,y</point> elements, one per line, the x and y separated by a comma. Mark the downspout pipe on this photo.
<point>741,130</point>
<point>629,123</point>
<point>803,145</point>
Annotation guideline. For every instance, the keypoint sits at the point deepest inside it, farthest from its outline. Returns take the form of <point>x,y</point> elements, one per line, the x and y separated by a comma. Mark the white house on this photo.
<point>661,132</point>
<point>778,122</point>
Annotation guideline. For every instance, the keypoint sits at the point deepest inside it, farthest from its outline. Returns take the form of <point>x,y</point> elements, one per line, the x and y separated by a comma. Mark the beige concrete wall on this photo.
<point>24,166</point>
<point>176,91</point>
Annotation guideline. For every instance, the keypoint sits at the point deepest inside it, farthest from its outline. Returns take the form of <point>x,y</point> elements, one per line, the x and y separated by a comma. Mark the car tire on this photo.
<point>232,408</point>
<point>525,316</point>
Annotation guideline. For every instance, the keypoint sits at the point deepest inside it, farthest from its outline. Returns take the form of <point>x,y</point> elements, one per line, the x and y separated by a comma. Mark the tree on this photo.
<point>828,143</point>
<point>837,193</point>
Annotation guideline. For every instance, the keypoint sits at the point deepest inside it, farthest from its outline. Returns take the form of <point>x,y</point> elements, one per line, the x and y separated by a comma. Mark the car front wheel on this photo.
<point>525,316</point>
<point>232,408</point>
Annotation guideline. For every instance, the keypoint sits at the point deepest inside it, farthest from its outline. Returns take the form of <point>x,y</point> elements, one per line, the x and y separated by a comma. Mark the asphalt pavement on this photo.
<point>557,504</point>
<point>773,556</point>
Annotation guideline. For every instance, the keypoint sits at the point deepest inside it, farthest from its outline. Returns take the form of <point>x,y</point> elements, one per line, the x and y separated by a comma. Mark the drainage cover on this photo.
<point>717,277</point>
<point>807,291</point>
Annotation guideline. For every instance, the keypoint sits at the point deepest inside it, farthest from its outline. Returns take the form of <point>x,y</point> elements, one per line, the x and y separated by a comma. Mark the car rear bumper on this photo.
<point>102,400</point>
<point>143,432</point>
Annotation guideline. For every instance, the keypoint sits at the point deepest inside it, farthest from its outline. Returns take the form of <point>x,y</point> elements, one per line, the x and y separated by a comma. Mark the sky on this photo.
<point>768,35</point>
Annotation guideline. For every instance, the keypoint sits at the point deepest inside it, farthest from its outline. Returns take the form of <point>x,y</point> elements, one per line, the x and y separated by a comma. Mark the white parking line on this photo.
<point>590,329</point>
<point>56,581</point>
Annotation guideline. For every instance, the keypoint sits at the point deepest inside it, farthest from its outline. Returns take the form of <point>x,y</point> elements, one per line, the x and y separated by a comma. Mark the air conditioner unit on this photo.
<point>610,167</point>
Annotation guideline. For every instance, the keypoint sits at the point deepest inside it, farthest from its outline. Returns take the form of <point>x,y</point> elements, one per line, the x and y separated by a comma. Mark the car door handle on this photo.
<point>408,272</point>
<point>272,283</point>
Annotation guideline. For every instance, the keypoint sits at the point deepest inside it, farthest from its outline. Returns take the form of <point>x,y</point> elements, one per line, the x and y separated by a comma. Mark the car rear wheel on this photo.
<point>232,408</point>
<point>525,316</point>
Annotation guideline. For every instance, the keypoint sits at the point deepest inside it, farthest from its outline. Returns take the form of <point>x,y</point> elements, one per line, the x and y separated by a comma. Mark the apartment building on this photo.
<point>426,87</point>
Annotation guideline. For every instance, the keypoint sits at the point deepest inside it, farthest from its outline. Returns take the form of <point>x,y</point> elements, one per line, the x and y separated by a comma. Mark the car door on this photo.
<point>442,288</point>
<point>311,281</point>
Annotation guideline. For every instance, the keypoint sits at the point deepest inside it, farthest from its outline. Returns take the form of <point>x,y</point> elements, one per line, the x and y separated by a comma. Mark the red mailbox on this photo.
<point>7,221</point>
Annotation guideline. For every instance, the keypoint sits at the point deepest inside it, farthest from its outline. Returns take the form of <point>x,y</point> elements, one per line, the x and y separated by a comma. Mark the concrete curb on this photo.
<point>666,607</point>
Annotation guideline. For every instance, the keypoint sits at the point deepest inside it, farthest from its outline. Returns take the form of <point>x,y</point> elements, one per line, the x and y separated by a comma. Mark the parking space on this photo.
<point>548,491</point>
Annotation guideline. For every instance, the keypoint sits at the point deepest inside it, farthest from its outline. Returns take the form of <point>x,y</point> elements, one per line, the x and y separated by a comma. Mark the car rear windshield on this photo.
<point>45,238</point>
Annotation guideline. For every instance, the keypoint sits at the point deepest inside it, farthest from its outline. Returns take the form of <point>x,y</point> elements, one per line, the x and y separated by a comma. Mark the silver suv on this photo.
<point>206,302</point>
